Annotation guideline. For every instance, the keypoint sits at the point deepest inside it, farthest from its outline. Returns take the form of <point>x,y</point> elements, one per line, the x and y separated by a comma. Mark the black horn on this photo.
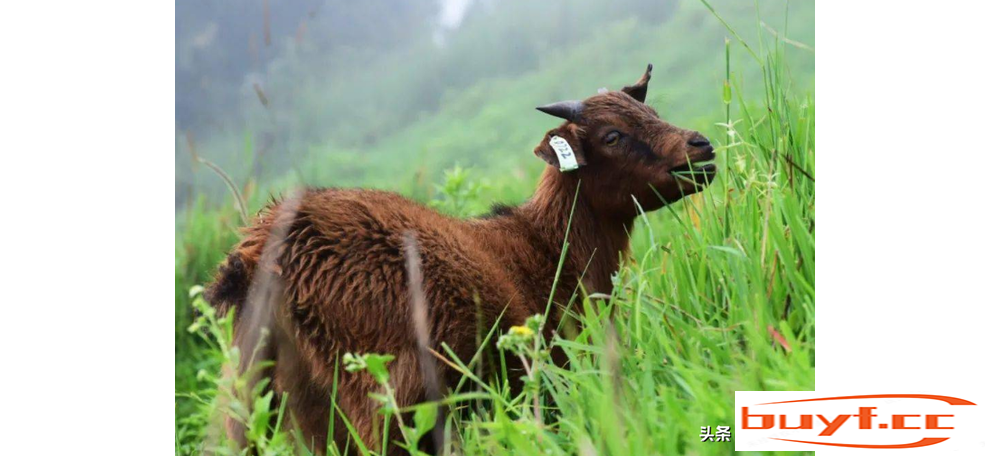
<point>568,110</point>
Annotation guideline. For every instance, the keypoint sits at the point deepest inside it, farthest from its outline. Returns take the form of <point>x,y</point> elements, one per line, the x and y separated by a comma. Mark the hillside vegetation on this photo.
<point>718,295</point>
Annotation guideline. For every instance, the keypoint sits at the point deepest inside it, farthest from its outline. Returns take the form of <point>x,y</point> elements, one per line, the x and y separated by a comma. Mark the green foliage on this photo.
<point>233,396</point>
<point>459,193</point>
<point>397,119</point>
<point>373,363</point>
<point>424,416</point>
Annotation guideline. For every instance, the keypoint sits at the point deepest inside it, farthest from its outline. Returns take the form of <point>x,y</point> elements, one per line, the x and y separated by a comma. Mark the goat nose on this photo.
<point>699,141</point>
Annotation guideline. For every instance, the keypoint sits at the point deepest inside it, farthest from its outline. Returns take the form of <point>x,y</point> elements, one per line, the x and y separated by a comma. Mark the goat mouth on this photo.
<point>699,173</point>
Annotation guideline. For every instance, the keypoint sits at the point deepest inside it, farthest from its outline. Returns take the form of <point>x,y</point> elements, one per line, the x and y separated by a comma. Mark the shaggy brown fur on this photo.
<point>343,279</point>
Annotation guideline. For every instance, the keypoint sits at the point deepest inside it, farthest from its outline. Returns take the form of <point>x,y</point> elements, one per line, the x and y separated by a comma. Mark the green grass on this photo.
<point>718,297</point>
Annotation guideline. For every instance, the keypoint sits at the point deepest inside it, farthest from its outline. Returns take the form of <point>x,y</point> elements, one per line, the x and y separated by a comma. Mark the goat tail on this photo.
<point>231,283</point>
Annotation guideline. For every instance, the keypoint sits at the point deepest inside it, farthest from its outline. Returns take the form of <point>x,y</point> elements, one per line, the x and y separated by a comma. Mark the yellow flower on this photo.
<point>521,331</point>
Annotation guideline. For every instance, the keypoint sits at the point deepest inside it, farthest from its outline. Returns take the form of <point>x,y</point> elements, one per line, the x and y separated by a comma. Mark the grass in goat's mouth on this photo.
<point>688,169</point>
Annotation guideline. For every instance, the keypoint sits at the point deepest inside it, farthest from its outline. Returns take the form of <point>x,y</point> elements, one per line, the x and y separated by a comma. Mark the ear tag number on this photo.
<point>565,155</point>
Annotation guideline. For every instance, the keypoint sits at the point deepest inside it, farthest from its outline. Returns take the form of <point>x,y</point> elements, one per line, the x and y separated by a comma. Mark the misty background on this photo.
<point>390,94</point>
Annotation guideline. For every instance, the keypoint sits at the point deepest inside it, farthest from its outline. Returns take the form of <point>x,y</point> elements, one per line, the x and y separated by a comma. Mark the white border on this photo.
<point>901,257</point>
<point>87,177</point>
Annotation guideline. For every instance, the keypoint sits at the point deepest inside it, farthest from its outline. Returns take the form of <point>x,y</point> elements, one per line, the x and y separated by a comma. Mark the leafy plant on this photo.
<point>424,417</point>
<point>458,195</point>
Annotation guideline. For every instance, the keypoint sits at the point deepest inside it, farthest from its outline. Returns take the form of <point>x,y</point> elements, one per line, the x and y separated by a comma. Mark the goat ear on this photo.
<point>567,138</point>
<point>638,90</point>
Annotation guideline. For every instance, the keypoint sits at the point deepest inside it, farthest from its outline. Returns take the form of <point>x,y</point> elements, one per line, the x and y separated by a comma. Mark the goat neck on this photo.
<point>596,239</point>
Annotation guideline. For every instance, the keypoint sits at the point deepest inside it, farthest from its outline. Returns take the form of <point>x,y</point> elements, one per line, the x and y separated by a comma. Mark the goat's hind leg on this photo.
<point>363,412</point>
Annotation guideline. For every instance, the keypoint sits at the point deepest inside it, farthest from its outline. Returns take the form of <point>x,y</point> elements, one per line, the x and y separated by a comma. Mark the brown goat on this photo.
<point>343,285</point>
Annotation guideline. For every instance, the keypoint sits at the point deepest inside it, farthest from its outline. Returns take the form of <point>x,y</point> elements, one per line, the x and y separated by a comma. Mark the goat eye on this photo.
<point>612,138</point>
